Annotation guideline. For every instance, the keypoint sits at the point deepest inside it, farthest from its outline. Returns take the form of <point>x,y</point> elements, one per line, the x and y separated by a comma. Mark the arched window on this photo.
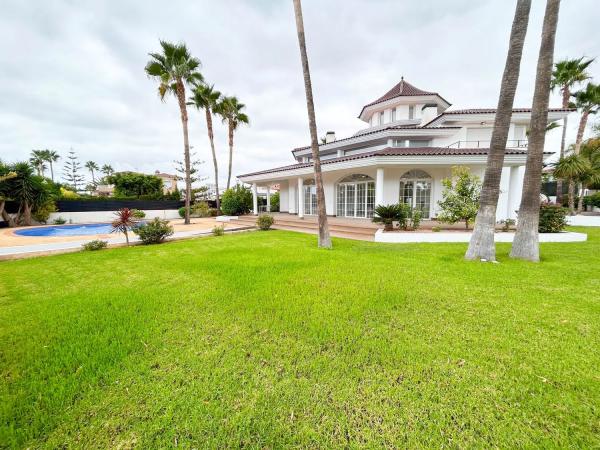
<point>415,190</point>
<point>355,196</point>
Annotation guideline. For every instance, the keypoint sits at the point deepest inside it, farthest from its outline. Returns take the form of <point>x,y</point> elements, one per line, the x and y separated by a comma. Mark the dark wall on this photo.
<point>113,205</point>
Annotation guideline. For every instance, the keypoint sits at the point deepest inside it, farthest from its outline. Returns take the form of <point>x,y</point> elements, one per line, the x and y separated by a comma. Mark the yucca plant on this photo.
<point>125,220</point>
<point>386,214</point>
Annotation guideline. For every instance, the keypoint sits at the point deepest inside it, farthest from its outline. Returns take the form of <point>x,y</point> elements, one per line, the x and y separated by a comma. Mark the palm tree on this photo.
<point>207,98</point>
<point>175,68</point>
<point>125,220</point>
<point>51,156</point>
<point>37,161</point>
<point>567,73</point>
<point>482,244</point>
<point>27,190</point>
<point>588,102</point>
<point>230,109</point>
<point>324,238</point>
<point>107,170</point>
<point>526,241</point>
<point>571,168</point>
<point>91,166</point>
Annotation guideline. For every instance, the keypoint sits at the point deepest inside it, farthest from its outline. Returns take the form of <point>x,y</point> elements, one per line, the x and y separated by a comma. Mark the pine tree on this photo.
<point>71,171</point>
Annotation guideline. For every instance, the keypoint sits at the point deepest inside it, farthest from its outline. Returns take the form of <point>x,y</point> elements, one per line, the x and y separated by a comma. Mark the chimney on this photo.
<point>329,137</point>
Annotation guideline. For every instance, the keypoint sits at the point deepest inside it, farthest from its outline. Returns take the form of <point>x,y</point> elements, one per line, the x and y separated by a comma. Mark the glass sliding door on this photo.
<point>310,198</point>
<point>415,190</point>
<point>355,197</point>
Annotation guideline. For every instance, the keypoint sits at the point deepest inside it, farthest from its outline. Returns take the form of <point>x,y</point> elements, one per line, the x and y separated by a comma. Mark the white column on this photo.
<point>291,201</point>
<point>268,198</point>
<point>254,199</point>
<point>300,198</point>
<point>515,188</point>
<point>379,186</point>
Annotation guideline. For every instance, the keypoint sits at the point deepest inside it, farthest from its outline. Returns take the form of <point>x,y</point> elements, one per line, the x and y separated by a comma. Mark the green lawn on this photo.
<point>261,340</point>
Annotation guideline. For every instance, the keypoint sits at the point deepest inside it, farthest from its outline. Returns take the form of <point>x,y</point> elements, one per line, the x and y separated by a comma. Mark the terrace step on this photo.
<point>363,231</point>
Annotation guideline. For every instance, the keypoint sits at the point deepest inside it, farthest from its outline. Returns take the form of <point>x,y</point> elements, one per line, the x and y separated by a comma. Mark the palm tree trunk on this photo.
<point>211,138</point>
<point>482,244</point>
<point>324,238</point>
<point>186,148</point>
<point>571,196</point>
<point>6,216</point>
<point>26,214</point>
<point>565,104</point>
<point>230,153</point>
<point>580,200</point>
<point>526,242</point>
<point>580,130</point>
<point>51,170</point>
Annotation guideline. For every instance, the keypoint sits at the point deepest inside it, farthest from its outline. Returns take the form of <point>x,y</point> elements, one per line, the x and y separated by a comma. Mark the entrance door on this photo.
<point>415,190</point>
<point>310,200</point>
<point>356,197</point>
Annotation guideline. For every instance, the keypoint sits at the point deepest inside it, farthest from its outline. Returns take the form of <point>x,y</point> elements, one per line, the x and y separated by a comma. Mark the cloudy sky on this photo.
<point>72,72</point>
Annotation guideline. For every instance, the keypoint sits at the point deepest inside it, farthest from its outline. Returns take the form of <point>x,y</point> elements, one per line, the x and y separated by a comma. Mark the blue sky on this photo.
<point>73,71</point>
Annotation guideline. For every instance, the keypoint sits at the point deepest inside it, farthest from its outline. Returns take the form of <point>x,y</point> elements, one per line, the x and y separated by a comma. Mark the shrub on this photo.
<point>265,221</point>
<point>96,244</point>
<point>138,214</point>
<point>592,200</point>
<point>59,221</point>
<point>154,232</point>
<point>387,215</point>
<point>552,219</point>
<point>218,230</point>
<point>507,224</point>
<point>404,213</point>
<point>181,212</point>
<point>200,209</point>
<point>236,201</point>
<point>436,229</point>
<point>275,202</point>
<point>213,212</point>
<point>42,212</point>
<point>416,215</point>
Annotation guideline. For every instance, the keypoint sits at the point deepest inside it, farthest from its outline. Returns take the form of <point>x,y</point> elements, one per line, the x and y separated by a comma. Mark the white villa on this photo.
<point>411,144</point>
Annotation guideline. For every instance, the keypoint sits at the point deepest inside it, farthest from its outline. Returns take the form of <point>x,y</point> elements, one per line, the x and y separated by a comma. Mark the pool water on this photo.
<point>67,230</point>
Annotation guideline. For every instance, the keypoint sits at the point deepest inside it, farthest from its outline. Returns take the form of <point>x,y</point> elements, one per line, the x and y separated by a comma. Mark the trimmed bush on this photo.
<point>181,212</point>
<point>42,212</point>
<point>552,219</point>
<point>138,214</point>
<point>416,216</point>
<point>96,244</point>
<point>265,221</point>
<point>154,232</point>
<point>236,201</point>
<point>59,221</point>
<point>200,209</point>
<point>436,229</point>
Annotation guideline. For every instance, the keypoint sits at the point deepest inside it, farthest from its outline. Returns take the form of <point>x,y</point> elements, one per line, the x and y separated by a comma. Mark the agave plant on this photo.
<point>386,214</point>
<point>125,220</point>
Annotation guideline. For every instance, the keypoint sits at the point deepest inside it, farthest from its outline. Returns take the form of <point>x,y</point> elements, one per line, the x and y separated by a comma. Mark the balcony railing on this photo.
<point>514,143</point>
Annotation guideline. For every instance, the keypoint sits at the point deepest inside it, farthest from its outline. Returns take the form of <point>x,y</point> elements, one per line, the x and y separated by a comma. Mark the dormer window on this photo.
<point>393,115</point>
<point>381,118</point>
<point>411,112</point>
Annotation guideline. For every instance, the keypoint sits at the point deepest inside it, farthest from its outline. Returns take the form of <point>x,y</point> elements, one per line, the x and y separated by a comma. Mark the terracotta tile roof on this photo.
<point>402,89</point>
<point>490,111</point>
<point>395,151</point>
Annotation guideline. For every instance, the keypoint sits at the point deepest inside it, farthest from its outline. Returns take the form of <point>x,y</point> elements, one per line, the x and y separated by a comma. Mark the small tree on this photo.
<point>460,197</point>
<point>236,201</point>
<point>71,171</point>
<point>125,220</point>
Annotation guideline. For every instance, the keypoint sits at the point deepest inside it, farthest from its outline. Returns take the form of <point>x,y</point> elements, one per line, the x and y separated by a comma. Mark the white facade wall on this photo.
<point>283,197</point>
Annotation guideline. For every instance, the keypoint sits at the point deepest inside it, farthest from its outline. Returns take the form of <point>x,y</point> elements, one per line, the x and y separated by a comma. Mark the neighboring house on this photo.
<point>411,144</point>
<point>169,182</point>
<point>104,190</point>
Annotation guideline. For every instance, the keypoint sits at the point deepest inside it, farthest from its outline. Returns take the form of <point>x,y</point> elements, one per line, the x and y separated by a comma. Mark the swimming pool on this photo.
<point>67,230</point>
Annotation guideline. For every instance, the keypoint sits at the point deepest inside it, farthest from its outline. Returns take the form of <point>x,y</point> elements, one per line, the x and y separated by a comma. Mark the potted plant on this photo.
<point>387,215</point>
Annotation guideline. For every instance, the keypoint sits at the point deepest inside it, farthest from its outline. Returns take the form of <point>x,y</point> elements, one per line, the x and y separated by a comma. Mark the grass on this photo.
<point>261,340</point>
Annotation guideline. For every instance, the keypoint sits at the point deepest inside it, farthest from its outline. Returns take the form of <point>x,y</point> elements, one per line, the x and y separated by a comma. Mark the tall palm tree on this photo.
<point>51,156</point>
<point>91,166</point>
<point>174,68</point>
<point>324,238</point>
<point>587,101</point>
<point>526,241</point>
<point>567,73</point>
<point>570,168</point>
<point>230,109</point>
<point>207,98</point>
<point>107,170</point>
<point>37,161</point>
<point>482,244</point>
